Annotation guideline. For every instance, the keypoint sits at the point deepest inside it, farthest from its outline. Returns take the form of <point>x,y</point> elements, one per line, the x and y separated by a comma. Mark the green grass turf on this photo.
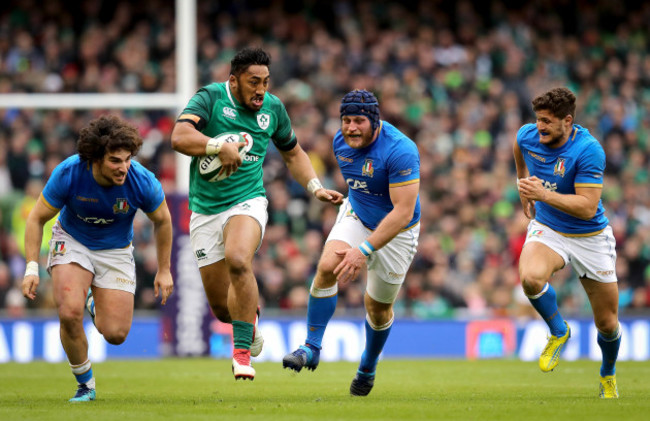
<point>204,389</point>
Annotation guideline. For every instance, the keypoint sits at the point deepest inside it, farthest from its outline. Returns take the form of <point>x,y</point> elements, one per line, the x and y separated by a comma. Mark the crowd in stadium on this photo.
<point>457,78</point>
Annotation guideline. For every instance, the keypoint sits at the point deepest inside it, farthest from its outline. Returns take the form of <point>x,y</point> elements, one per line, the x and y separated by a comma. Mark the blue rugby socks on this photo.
<point>322,303</point>
<point>609,345</point>
<point>546,305</point>
<point>375,339</point>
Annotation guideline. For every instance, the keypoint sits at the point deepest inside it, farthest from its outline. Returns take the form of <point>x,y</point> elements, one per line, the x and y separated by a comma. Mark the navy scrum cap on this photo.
<point>361,102</point>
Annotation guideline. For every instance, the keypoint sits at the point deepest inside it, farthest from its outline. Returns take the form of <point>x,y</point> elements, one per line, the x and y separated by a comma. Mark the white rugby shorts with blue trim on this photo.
<point>387,266</point>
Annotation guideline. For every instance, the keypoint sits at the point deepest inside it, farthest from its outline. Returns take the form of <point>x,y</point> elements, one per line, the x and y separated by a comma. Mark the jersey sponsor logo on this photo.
<point>200,254</point>
<point>605,272</point>
<point>358,185</point>
<point>229,113</point>
<point>560,167</point>
<point>251,158</point>
<point>537,157</point>
<point>345,159</point>
<point>95,220</point>
<point>368,169</point>
<point>549,186</point>
<point>120,206</point>
<point>404,173</point>
<point>59,248</point>
<point>87,199</point>
<point>124,281</point>
<point>263,120</point>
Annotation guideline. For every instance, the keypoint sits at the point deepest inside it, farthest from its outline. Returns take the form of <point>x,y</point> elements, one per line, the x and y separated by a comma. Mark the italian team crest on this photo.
<point>368,168</point>
<point>121,206</point>
<point>560,167</point>
<point>59,248</point>
<point>536,233</point>
<point>263,120</point>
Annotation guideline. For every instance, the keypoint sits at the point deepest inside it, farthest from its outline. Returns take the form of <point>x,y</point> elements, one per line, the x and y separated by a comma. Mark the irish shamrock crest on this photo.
<point>121,206</point>
<point>263,120</point>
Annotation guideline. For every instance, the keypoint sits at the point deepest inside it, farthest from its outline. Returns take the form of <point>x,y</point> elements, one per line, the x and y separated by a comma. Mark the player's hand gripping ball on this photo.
<point>210,165</point>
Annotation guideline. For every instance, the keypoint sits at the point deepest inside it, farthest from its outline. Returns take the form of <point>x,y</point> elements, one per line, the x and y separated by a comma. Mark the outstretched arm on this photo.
<point>301,169</point>
<point>404,199</point>
<point>162,223</point>
<point>40,214</point>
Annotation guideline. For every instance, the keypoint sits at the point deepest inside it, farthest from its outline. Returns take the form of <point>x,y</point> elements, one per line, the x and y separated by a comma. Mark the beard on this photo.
<point>555,140</point>
<point>358,141</point>
<point>246,102</point>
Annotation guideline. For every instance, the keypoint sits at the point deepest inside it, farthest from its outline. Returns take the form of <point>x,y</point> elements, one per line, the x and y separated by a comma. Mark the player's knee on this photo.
<point>532,281</point>
<point>326,268</point>
<point>69,316</point>
<point>379,317</point>
<point>606,324</point>
<point>116,336</point>
<point>238,265</point>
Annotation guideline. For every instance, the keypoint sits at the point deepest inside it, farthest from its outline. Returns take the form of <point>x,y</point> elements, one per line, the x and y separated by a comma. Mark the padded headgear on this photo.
<point>363,103</point>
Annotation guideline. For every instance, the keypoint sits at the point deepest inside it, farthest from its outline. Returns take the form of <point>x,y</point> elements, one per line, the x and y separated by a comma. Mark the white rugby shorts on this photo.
<point>387,266</point>
<point>113,268</point>
<point>593,257</point>
<point>206,231</point>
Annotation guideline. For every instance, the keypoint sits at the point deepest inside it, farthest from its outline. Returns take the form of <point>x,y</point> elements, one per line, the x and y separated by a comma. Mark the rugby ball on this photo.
<point>210,165</point>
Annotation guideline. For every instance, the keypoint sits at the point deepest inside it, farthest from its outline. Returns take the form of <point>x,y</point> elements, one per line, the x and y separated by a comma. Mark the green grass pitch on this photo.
<point>204,389</point>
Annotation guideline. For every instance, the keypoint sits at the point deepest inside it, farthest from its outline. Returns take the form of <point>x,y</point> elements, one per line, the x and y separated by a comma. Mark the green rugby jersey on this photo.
<point>221,112</point>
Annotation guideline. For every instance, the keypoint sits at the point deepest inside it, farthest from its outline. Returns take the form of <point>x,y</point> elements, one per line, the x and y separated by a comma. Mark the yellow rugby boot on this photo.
<point>551,355</point>
<point>608,389</point>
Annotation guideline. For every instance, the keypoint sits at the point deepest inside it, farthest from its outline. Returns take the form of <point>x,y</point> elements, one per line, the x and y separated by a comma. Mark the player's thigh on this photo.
<point>71,267</point>
<point>541,257</point>
<point>347,232</point>
<point>70,286</point>
<point>114,306</point>
<point>328,261</point>
<point>242,237</point>
<point>114,288</point>
<point>603,297</point>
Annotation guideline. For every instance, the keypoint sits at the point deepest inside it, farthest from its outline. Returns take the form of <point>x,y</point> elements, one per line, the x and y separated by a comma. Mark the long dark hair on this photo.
<point>107,133</point>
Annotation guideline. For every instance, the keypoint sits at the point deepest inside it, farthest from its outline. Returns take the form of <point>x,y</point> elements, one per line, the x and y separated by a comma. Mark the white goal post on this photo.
<point>186,85</point>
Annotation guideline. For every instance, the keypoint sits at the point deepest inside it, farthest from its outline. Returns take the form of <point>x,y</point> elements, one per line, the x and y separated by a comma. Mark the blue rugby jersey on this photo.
<point>100,217</point>
<point>391,160</point>
<point>580,162</point>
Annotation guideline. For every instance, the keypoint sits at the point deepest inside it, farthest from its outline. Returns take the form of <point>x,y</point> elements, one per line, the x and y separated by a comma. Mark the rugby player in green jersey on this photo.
<point>229,216</point>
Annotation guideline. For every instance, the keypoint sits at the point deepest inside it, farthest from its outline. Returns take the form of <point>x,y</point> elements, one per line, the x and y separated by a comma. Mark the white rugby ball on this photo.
<point>210,165</point>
